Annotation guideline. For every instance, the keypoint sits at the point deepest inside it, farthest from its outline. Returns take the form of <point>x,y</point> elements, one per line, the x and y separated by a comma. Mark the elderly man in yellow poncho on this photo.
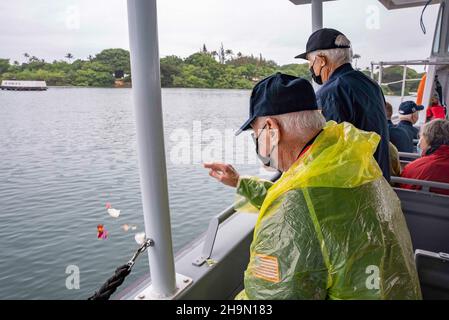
<point>331,227</point>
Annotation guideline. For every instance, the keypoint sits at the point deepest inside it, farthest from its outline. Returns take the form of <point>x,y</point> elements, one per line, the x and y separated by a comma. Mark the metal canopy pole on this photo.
<point>143,38</point>
<point>381,70</point>
<point>404,80</point>
<point>317,15</point>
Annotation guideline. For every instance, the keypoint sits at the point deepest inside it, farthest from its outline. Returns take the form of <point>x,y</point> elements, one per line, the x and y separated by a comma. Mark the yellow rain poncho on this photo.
<point>331,227</point>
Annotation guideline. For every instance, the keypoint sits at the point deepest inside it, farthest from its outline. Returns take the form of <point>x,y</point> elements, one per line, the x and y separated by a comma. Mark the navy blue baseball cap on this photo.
<point>323,39</point>
<point>409,107</point>
<point>279,94</point>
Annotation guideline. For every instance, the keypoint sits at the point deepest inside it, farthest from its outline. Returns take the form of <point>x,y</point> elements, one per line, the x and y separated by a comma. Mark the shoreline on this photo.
<point>130,87</point>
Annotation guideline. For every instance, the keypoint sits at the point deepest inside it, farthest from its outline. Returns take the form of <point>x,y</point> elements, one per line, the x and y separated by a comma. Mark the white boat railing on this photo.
<point>405,64</point>
<point>424,184</point>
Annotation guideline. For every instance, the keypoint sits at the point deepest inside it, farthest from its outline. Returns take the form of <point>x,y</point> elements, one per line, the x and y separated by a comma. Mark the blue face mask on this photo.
<point>419,150</point>
<point>427,152</point>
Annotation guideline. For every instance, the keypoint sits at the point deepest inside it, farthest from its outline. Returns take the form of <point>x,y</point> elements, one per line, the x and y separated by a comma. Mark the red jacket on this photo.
<point>436,112</point>
<point>434,167</point>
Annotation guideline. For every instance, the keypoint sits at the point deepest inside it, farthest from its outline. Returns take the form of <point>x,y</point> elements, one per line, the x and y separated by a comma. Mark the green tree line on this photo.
<point>203,69</point>
<point>222,69</point>
<point>95,71</point>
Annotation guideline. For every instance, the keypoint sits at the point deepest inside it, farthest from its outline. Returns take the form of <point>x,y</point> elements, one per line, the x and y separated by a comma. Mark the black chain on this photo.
<point>111,285</point>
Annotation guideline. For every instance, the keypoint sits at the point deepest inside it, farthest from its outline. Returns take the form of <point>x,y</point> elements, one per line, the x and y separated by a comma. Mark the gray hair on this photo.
<point>407,117</point>
<point>298,122</point>
<point>436,132</point>
<point>338,56</point>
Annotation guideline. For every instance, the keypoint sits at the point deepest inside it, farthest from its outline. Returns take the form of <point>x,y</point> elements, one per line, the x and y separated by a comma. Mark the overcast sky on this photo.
<point>276,28</point>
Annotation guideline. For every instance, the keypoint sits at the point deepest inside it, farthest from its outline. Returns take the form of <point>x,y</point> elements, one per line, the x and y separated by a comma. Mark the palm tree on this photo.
<point>69,56</point>
<point>222,54</point>
<point>239,55</point>
<point>356,57</point>
<point>228,52</point>
<point>214,53</point>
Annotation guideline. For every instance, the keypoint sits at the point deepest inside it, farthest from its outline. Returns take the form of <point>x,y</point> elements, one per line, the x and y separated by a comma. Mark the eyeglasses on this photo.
<point>256,138</point>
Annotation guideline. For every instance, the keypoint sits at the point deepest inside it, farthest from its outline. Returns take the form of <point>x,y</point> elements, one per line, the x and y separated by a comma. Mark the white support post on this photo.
<point>430,84</point>
<point>317,15</point>
<point>404,78</point>
<point>146,89</point>
<point>317,24</point>
<point>381,70</point>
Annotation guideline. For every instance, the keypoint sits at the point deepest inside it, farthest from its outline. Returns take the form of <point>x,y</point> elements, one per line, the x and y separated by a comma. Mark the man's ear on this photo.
<point>274,128</point>
<point>322,60</point>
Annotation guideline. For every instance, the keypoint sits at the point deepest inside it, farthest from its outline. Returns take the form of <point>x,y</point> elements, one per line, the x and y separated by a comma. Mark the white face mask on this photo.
<point>266,160</point>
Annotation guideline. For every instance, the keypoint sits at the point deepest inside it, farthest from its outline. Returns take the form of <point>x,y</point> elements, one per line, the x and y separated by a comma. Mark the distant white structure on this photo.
<point>20,85</point>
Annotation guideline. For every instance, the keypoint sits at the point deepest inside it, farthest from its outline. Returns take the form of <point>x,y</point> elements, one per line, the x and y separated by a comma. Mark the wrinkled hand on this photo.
<point>225,173</point>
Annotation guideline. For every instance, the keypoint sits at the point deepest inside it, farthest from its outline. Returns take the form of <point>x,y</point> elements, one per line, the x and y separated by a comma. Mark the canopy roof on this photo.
<point>389,4</point>
<point>399,4</point>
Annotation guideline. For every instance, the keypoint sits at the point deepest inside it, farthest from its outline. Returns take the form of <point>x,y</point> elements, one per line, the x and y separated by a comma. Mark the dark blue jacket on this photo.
<point>412,131</point>
<point>351,96</point>
<point>400,138</point>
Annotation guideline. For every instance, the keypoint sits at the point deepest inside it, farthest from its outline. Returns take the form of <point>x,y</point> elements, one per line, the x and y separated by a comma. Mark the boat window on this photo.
<point>437,39</point>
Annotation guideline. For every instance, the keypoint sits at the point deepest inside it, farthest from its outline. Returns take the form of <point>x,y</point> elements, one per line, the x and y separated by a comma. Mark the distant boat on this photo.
<point>23,85</point>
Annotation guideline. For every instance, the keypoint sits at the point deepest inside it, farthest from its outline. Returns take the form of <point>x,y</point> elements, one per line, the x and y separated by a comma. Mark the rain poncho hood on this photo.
<point>331,227</point>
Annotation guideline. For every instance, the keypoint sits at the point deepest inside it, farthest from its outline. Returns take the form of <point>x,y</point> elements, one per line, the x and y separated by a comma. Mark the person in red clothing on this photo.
<point>434,162</point>
<point>435,110</point>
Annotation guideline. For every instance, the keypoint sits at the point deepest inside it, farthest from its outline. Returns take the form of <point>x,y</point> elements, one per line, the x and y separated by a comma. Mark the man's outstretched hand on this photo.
<point>225,173</point>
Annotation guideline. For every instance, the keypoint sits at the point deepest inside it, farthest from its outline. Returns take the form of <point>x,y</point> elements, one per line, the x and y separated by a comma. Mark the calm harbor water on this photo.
<point>66,152</point>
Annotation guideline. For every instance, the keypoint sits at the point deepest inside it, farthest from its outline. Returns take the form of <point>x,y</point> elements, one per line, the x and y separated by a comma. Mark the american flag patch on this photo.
<point>266,267</point>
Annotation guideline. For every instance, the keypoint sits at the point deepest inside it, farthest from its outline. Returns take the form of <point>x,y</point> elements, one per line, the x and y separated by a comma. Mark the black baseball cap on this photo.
<point>279,94</point>
<point>409,107</point>
<point>323,39</point>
